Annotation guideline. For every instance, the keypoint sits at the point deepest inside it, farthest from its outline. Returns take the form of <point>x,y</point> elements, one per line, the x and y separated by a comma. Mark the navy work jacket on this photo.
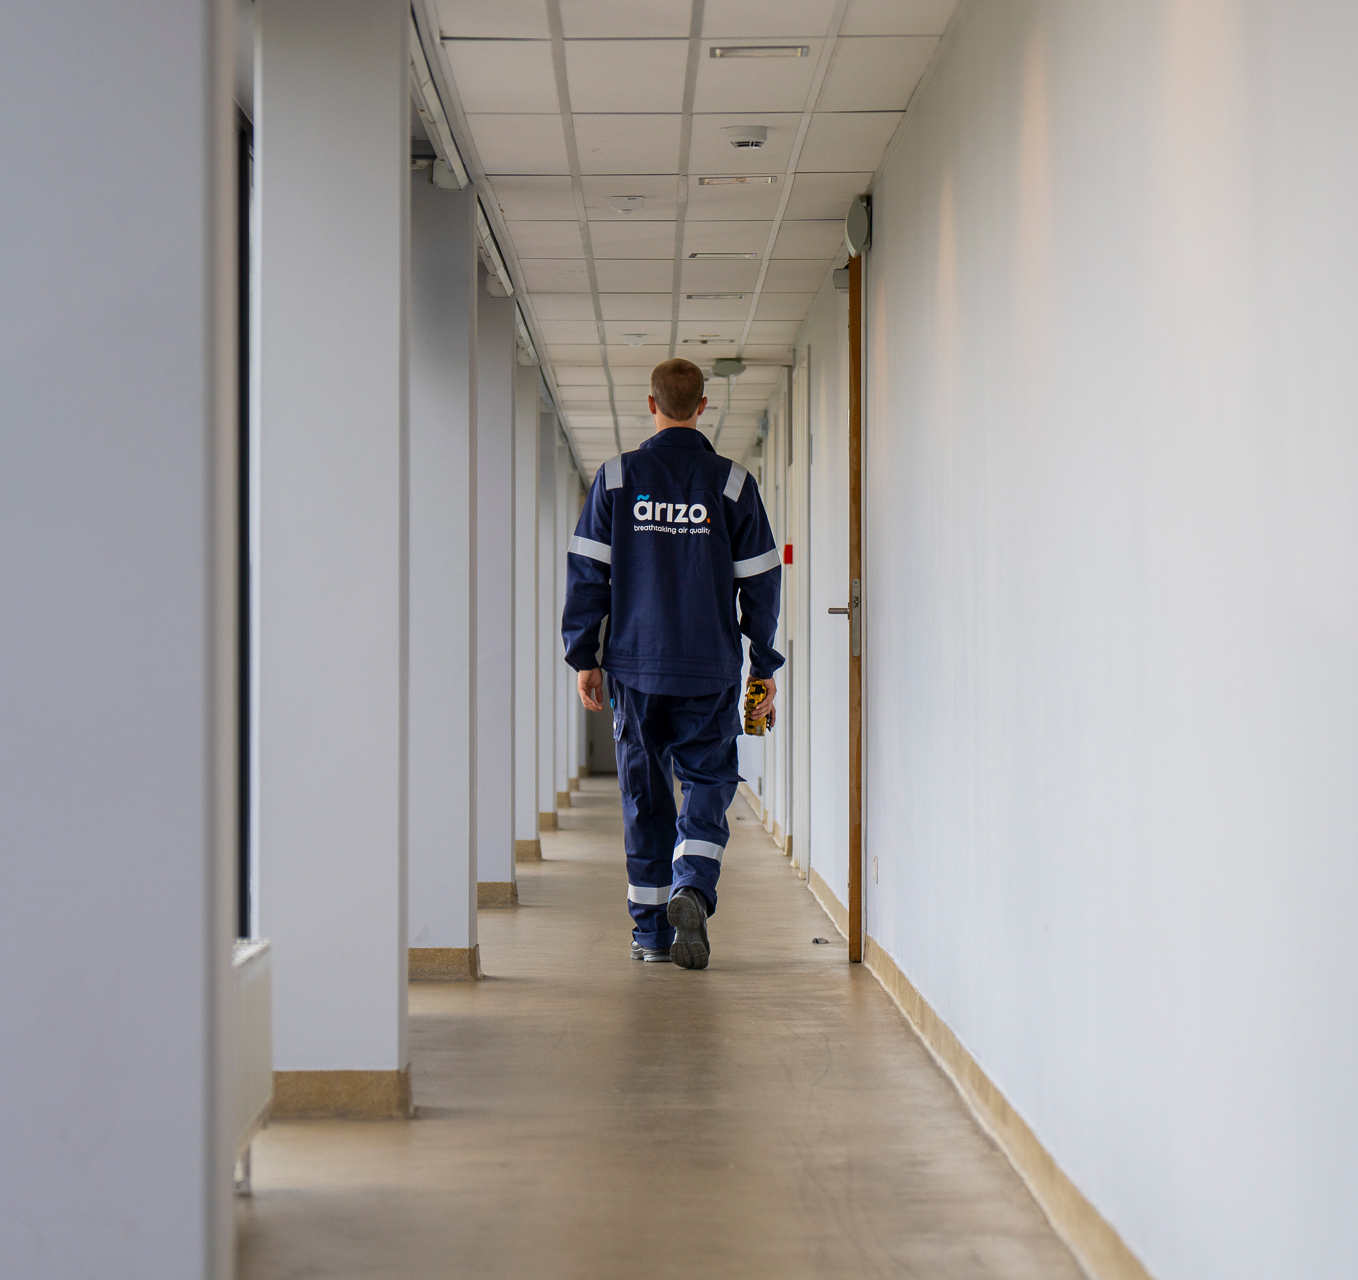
<point>670,536</point>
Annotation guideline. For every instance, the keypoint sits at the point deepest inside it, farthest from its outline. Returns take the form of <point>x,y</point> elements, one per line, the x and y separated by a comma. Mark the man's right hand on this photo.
<point>591,686</point>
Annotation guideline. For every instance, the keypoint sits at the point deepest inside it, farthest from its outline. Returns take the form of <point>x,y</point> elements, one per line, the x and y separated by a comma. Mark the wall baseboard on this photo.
<point>350,1095</point>
<point>444,964</point>
<point>831,905</point>
<point>1096,1245</point>
<point>572,784</point>
<point>563,799</point>
<point>497,893</point>
<point>752,796</point>
<point>548,822</point>
<point>527,850</point>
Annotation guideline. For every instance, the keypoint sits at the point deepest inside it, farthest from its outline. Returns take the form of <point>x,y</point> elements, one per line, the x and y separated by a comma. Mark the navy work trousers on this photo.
<point>696,738</point>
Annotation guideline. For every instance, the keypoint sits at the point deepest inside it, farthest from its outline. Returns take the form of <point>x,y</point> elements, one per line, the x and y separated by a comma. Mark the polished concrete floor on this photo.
<point>581,1115</point>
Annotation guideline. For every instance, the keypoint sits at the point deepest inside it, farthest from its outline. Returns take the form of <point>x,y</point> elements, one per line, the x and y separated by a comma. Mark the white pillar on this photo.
<point>527,846</point>
<point>332,179</point>
<point>565,678</point>
<point>549,622</point>
<point>117,649</point>
<point>495,365</point>
<point>441,801</point>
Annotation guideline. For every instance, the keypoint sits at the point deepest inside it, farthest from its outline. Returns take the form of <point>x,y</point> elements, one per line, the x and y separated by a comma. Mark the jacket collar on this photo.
<point>678,438</point>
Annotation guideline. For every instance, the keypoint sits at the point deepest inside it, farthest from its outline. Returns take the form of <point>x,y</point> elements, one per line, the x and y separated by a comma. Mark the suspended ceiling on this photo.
<point>572,105</point>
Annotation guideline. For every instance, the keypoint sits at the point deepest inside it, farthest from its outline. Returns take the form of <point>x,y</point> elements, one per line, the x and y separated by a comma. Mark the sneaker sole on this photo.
<point>662,958</point>
<point>689,949</point>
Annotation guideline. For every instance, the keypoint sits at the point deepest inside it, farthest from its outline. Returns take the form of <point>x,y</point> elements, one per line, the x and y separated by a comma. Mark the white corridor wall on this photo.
<point>1112,604</point>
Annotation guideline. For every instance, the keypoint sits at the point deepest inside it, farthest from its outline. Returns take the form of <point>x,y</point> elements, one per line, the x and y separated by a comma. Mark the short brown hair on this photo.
<point>677,386</point>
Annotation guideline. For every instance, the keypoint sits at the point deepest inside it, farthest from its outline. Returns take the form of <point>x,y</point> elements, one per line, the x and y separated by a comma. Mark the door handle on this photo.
<point>854,612</point>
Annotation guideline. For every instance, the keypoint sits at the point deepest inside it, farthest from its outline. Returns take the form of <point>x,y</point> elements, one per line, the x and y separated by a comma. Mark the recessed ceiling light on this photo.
<point>737,179</point>
<point>722,257</point>
<point>716,297</point>
<point>759,51</point>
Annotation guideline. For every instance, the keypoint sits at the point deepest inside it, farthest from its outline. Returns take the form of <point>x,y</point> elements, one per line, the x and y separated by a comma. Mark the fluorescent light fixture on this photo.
<point>738,179</point>
<point>759,51</point>
<point>492,252</point>
<point>430,108</point>
<point>722,257</point>
<point>716,297</point>
<point>701,342</point>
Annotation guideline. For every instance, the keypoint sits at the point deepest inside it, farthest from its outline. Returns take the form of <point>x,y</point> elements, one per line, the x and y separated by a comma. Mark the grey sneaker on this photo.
<point>688,915</point>
<point>651,955</point>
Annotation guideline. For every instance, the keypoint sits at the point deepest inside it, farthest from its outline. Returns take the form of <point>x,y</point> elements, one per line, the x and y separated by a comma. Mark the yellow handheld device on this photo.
<point>754,695</point>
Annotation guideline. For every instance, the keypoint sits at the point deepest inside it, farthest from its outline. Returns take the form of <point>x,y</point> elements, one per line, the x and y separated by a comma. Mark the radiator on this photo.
<point>252,1082</point>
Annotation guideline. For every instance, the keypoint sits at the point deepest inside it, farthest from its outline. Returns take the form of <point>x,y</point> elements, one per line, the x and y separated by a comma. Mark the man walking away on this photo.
<point>674,550</point>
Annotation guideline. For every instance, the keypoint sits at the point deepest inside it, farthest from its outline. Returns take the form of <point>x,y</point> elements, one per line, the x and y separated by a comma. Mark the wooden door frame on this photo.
<point>855,610</point>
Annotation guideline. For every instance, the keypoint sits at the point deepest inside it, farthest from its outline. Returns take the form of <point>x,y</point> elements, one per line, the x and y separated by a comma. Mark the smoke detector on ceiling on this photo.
<point>626,204</point>
<point>634,339</point>
<point>747,137</point>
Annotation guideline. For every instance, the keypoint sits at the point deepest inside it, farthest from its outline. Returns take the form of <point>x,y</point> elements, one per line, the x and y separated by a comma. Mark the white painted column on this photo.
<point>332,179</point>
<point>566,694</point>
<point>441,803</point>
<point>549,622</point>
<point>117,652</point>
<point>495,365</point>
<point>527,847</point>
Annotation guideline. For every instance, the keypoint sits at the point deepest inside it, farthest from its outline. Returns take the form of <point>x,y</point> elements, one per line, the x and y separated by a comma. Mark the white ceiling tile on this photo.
<point>825,196</point>
<point>547,239</point>
<point>801,276</point>
<point>619,19</point>
<point>840,141</point>
<point>563,354</point>
<point>534,199</point>
<point>658,190</point>
<point>896,17</point>
<point>756,201</point>
<point>489,19</point>
<point>569,332</point>
<point>584,397</point>
<point>634,377</point>
<point>754,84</point>
<point>626,75</point>
<point>636,306</point>
<point>718,277</point>
<point>765,21</point>
<point>576,376</point>
<point>713,332</point>
<point>633,275</point>
<point>563,306</point>
<point>649,239</point>
<point>503,75</point>
<point>711,151</point>
<point>520,143</point>
<point>823,239</point>
<point>725,236</point>
<point>620,356</point>
<point>656,332</point>
<point>770,331</point>
<point>783,306</point>
<point>875,73</point>
<point>555,275</point>
<point>627,143</point>
<point>731,310</point>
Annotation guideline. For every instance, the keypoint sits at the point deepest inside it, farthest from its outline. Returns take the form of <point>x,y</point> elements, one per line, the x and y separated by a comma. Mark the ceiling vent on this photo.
<point>747,137</point>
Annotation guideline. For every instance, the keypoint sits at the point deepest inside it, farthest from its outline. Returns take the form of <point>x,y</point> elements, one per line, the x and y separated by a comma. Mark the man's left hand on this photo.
<point>765,706</point>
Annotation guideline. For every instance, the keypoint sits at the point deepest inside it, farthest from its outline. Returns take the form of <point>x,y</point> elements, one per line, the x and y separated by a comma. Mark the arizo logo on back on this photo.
<point>668,512</point>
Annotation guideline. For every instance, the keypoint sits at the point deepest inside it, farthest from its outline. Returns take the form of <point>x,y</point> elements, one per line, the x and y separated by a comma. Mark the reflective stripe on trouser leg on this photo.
<point>647,821</point>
